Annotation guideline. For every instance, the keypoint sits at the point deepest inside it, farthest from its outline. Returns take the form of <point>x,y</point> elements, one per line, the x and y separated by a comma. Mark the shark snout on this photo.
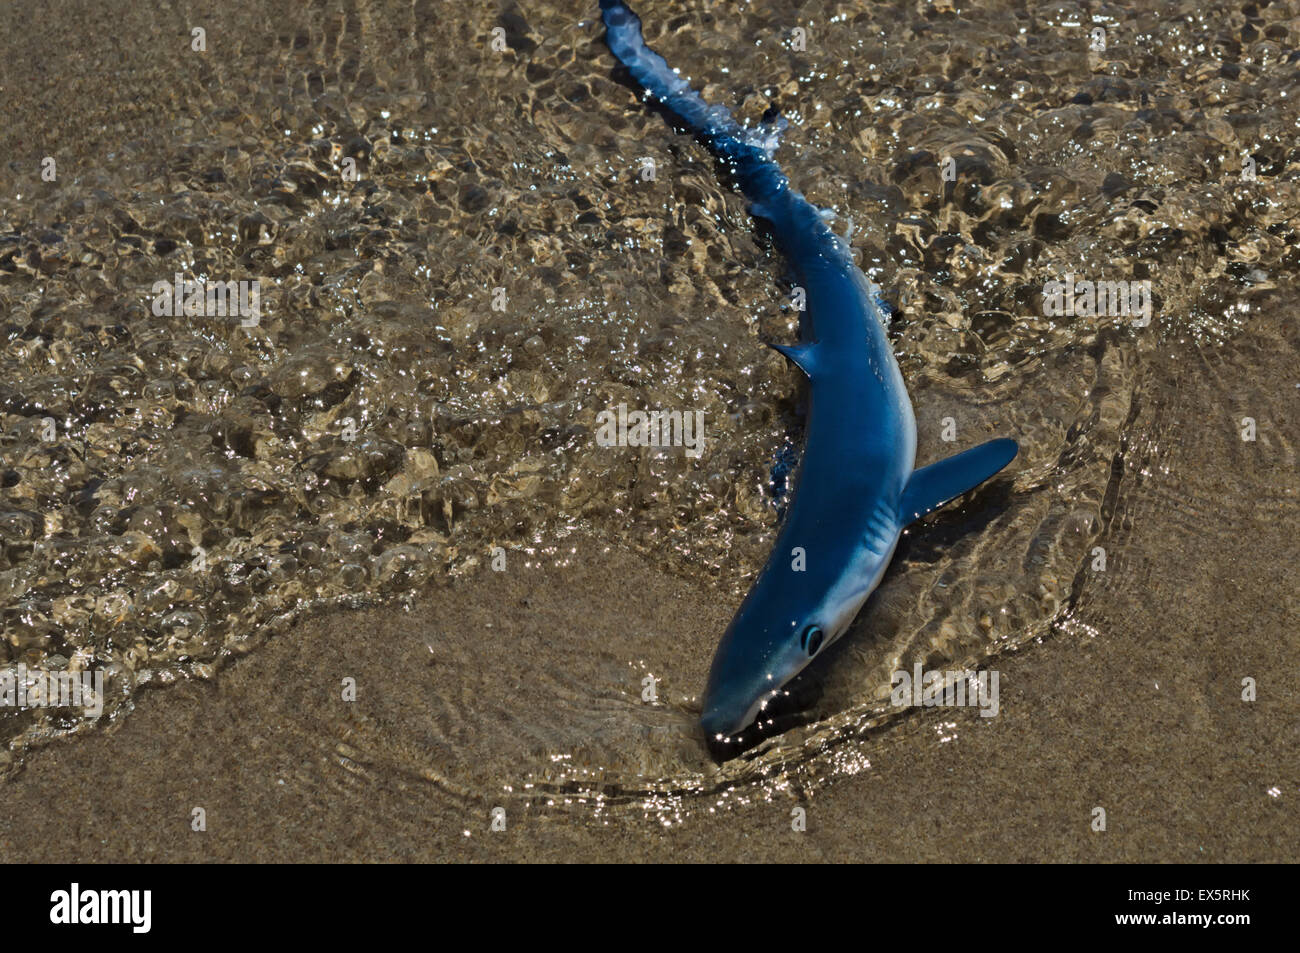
<point>752,663</point>
<point>733,701</point>
<point>722,730</point>
<point>719,723</point>
<point>731,726</point>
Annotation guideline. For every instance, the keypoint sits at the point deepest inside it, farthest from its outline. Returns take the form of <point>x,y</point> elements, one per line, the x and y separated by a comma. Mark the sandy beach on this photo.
<point>1113,713</point>
<point>204,479</point>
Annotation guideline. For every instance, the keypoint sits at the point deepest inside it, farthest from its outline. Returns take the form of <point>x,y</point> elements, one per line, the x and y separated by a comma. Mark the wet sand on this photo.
<point>1113,713</point>
<point>1157,740</point>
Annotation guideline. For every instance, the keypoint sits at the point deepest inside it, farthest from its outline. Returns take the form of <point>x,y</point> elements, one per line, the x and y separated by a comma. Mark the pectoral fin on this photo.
<point>931,487</point>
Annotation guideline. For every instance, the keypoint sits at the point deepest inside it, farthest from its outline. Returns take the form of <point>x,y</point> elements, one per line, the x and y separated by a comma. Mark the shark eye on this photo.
<point>812,639</point>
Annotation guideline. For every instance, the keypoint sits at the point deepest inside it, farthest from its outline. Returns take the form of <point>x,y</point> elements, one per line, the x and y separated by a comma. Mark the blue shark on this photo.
<point>857,488</point>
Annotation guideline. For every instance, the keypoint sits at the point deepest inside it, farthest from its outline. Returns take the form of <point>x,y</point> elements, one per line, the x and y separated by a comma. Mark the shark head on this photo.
<point>786,621</point>
<point>789,618</point>
<point>753,664</point>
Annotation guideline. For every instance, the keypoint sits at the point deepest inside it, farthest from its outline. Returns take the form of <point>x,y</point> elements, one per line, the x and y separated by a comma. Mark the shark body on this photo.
<point>856,489</point>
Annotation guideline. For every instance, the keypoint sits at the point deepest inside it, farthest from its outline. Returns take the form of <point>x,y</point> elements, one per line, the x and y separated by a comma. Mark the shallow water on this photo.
<point>383,427</point>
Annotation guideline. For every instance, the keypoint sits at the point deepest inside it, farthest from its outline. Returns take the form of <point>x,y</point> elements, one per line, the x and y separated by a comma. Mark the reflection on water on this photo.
<point>438,336</point>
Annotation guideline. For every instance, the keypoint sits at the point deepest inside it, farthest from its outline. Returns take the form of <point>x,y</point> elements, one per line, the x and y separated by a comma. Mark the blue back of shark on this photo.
<point>856,488</point>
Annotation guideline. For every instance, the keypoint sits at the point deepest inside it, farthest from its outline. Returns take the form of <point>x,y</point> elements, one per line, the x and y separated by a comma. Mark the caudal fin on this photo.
<point>748,150</point>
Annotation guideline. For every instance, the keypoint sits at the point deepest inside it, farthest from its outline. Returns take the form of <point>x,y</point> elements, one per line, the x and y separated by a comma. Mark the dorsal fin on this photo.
<point>801,356</point>
<point>931,487</point>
